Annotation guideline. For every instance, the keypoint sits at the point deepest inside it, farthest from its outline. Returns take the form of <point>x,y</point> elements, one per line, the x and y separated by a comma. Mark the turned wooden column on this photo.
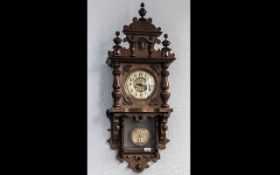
<point>165,94</point>
<point>115,130</point>
<point>116,94</point>
<point>163,128</point>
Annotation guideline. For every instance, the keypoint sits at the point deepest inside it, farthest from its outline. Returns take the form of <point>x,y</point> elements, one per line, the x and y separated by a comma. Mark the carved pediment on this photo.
<point>142,25</point>
<point>141,36</point>
<point>139,26</point>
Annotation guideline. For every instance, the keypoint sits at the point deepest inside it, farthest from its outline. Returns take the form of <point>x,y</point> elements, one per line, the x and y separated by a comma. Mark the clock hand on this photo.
<point>140,84</point>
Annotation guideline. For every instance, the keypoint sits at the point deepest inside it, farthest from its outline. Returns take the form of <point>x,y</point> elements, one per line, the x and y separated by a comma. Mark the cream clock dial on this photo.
<point>140,84</point>
<point>139,136</point>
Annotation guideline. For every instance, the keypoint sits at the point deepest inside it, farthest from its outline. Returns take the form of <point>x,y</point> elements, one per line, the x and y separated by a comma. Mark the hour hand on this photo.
<point>140,84</point>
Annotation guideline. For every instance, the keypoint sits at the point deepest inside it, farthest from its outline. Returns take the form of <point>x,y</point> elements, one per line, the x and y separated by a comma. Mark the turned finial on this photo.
<point>142,12</point>
<point>166,50</point>
<point>165,42</point>
<point>117,40</point>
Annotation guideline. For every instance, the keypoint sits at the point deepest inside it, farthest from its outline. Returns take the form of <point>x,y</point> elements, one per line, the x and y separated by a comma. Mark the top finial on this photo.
<point>142,12</point>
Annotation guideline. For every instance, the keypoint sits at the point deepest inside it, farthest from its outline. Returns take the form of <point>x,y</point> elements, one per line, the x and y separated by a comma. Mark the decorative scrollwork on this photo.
<point>126,68</point>
<point>138,162</point>
<point>126,100</point>
<point>154,102</point>
<point>155,69</point>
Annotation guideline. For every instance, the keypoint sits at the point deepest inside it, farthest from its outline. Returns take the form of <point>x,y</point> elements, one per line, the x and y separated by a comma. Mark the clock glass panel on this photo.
<point>139,136</point>
<point>140,84</point>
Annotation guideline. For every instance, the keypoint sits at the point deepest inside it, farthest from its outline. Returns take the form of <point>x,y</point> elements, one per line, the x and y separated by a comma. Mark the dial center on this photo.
<point>140,84</point>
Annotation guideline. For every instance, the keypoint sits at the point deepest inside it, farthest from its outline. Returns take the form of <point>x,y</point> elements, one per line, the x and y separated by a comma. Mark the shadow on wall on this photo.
<point>105,100</point>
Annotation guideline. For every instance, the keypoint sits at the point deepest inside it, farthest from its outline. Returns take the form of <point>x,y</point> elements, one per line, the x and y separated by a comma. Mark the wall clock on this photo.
<point>140,109</point>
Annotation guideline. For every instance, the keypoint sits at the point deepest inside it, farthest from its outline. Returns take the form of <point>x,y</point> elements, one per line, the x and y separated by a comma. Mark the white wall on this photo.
<point>104,18</point>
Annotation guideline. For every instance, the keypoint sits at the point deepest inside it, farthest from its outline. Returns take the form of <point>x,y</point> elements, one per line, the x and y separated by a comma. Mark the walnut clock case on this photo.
<point>140,110</point>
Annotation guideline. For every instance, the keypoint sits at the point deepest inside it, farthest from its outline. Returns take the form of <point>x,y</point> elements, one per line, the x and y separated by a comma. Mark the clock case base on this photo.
<point>138,160</point>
